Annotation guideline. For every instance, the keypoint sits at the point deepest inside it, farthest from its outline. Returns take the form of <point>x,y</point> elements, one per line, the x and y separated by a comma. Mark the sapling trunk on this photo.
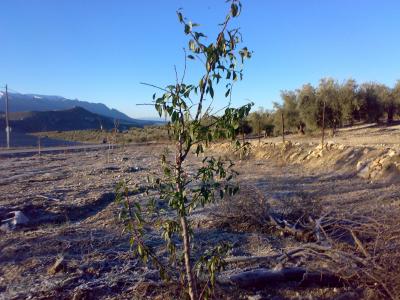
<point>188,265</point>
<point>183,220</point>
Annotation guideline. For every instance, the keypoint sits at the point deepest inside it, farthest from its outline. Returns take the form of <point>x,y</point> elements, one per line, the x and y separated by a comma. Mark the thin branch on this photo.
<point>184,68</point>
<point>176,75</point>
<point>155,86</point>
<point>202,61</point>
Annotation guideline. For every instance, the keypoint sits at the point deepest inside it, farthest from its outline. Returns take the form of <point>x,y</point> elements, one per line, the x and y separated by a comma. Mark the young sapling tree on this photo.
<point>193,125</point>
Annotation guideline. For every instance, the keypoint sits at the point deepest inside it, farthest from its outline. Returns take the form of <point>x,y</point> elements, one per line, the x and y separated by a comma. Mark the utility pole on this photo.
<point>8,129</point>
<point>39,146</point>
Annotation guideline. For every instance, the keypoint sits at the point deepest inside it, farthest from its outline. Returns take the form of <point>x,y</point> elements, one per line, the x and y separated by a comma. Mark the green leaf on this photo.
<point>234,76</point>
<point>159,109</point>
<point>234,9</point>
<point>201,84</point>
<point>180,17</point>
<point>174,117</point>
<point>227,93</point>
<point>199,149</point>
<point>192,45</point>
<point>187,29</point>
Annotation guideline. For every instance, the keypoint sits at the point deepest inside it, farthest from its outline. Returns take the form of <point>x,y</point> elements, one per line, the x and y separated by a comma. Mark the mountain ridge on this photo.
<point>19,102</point>
<point>76,118</point>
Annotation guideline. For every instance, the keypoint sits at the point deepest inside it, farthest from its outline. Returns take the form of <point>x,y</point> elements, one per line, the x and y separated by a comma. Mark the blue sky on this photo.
<point>99,51</point>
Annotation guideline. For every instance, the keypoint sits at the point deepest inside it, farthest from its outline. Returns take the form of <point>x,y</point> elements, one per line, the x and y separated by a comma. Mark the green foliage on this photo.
<point>387,101</point>
<point>261,122</point>
<point>211,262</point>
<point>396,96</point>
<point>291,113</point>
<point>328,92</point>
<point>192,126</point>
<point>371,109</point>
<point>134,134</point>
<point>345,103</point>
<point>349,100</point>
<point>308,106</point>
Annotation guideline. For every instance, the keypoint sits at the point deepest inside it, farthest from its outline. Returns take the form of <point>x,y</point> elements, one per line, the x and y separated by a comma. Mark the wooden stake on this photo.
<point>243,139</point>
<point>323,126</point>
<point>283,128</point>
<point>39,145</point>
<point>8,129</point>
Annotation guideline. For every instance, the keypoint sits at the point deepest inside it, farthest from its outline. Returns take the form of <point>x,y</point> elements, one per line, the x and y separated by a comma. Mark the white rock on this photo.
<point>391,153</point>
<point>364,172</point>
<point>18,218</point>
<point>255,297</point>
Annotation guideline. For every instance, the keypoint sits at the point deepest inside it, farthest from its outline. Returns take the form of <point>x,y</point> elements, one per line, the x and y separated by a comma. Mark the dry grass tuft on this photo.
<point>247,210</point>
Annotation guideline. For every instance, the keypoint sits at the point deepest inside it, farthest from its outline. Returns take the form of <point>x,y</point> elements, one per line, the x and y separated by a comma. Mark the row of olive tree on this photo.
<point>345,103</point>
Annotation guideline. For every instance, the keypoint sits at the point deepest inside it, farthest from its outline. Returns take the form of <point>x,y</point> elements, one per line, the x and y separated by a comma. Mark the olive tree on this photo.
<point>308,106</point>
<point>193,124</point>
<point>396,96</point>
<point>387,101</point>
<point>371,109</point>
<point>260,122</point>
<point>328,97</point>
<point>349,100</point>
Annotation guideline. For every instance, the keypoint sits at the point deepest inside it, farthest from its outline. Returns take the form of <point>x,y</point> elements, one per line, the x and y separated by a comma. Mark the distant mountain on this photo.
<point>76,118</point>
<point>33,102</point>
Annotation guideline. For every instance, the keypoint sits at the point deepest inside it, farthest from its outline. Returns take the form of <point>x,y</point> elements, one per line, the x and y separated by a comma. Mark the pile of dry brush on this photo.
<point>335,247</point>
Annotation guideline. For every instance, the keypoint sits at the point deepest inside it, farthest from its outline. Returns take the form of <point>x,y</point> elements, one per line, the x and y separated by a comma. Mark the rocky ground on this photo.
<point>363,135</point>
<point>71,245</point>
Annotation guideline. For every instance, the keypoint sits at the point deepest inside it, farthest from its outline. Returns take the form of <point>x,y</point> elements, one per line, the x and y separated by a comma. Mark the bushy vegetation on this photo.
<point>345,103</point>
<point>133,135</point>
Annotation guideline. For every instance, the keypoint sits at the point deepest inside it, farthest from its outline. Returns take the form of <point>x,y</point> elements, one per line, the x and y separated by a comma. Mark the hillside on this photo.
<point>32,102</point>
<point>76,118</point>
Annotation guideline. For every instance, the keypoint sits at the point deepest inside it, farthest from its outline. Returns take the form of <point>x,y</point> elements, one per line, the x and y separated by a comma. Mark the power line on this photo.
<point>10,89</point>
<point>3,85</point>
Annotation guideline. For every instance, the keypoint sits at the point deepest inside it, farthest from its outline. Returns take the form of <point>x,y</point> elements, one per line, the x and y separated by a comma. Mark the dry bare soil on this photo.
<point>301,207</point>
